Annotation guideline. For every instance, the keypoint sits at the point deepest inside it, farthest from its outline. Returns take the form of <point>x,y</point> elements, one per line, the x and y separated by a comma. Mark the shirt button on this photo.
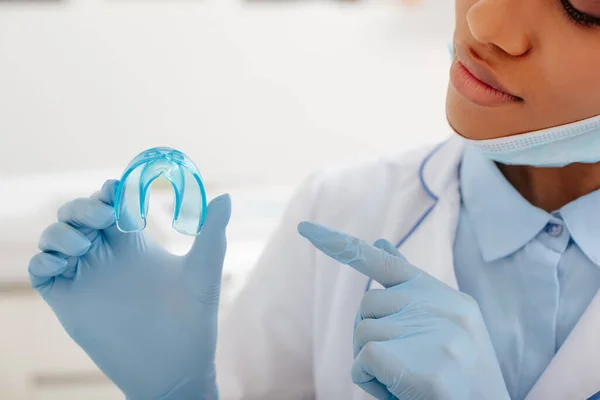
<point>554,229</point>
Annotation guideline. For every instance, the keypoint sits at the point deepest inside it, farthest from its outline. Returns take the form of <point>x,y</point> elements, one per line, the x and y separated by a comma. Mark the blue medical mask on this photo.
<point>578,142</point>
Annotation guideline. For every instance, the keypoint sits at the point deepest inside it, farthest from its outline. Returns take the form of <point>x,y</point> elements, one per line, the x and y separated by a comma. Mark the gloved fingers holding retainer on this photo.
<point>130,304</point>
<point>79,224</point>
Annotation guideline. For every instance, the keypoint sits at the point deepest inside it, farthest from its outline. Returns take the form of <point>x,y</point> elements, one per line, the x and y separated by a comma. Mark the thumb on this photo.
<point>387,247</point>
<point>204,262</point>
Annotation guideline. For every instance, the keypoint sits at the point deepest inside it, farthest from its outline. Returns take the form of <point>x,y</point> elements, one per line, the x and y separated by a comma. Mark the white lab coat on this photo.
<point>289,335</point>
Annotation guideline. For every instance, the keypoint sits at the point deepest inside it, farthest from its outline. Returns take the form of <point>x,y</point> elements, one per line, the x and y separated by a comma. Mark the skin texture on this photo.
<point>539,54</point>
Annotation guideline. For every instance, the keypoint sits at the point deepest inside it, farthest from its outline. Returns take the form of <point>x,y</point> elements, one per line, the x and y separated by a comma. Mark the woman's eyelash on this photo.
<point>579,17</point>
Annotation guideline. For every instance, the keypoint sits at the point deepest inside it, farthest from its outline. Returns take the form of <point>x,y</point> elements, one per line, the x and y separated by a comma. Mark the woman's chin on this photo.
<point>476,122</point>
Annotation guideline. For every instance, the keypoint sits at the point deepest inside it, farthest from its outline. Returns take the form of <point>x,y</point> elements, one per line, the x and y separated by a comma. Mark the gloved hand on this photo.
<point>146,317</point>
<point>418,338</point>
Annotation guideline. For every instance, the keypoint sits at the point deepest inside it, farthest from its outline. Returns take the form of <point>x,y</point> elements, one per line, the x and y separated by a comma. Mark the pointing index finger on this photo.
<point>387,269</point>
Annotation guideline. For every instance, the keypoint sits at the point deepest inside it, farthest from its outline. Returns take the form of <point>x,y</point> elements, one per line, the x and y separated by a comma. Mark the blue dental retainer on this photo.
<point>132,197</point>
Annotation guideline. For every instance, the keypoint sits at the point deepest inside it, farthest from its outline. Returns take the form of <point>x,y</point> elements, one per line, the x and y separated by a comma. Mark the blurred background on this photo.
<point>260,93</point>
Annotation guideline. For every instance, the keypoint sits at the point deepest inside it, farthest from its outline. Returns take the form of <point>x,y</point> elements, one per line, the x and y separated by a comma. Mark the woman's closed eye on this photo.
<point>583,12</point>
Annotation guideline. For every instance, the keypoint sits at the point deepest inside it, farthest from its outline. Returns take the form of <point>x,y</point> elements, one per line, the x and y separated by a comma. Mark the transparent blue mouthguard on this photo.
<point>131,197</point>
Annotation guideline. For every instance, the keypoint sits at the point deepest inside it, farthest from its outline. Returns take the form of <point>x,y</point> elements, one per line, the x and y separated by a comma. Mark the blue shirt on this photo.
<point>533,273</point>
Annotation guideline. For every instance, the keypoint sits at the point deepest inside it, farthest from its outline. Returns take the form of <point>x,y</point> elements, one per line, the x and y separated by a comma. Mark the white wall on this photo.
<point>251,90</point>
<point>258,93</point>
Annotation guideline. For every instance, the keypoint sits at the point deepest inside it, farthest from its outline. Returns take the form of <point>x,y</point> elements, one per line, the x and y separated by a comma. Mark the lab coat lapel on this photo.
<point>574,373</point>
<point>431,246</point>
<point>426,221</point>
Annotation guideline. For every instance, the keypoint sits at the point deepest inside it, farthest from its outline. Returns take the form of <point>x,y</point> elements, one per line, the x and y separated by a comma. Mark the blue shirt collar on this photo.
<point>582,218</point>
<point>503,221</point>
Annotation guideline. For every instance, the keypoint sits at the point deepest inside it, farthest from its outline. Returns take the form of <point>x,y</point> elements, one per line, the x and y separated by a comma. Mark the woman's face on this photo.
<point>534,50</point>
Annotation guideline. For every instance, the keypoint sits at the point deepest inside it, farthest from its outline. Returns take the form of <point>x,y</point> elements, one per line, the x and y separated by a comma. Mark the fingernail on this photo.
<point>102,215</point>
<point>313,231</point>
<point>47,265</point>
<point>224,197</point>
<point>328,241</point>
<point>75,243</point>
<point>220,208</point>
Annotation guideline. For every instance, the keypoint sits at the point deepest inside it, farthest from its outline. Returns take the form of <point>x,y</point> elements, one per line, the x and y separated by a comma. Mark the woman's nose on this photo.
<point>503,23</point>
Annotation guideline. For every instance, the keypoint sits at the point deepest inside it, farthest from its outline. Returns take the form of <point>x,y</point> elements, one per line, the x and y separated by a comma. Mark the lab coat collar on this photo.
<point>583,222</point>
<point>433,217</point>
<point>439,169</point>
<point>430,246</point>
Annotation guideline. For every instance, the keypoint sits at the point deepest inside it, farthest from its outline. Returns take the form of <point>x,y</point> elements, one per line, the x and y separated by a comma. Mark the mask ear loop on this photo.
<point>451,50</point>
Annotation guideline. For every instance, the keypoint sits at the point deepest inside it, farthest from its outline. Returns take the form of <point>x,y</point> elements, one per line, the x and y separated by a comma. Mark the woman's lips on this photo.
<point>476,83</point>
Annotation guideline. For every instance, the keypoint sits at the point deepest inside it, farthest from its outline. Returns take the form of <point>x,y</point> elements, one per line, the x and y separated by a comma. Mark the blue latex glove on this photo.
<point>418,338</point>
<point>146,317</point>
